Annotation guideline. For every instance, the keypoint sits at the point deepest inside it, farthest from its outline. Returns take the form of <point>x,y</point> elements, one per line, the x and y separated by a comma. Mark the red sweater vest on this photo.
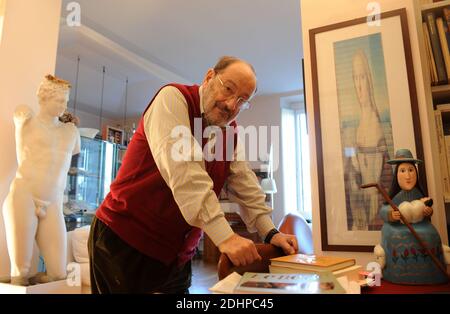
<point>140,207</point>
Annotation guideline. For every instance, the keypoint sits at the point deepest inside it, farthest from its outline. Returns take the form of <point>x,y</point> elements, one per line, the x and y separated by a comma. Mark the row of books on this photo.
<point>437,45</point>
<point>442,119</point>
<point>300,273</point>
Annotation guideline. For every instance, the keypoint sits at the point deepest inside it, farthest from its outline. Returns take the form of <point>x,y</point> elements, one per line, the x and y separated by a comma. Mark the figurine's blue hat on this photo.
<point>403,155</point>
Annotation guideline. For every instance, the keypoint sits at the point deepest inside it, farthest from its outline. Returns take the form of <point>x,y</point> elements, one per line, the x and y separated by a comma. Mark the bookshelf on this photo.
<point>437,95</point>
<point>437,40</point>
<point>435,7</point>
<point>440,93</point>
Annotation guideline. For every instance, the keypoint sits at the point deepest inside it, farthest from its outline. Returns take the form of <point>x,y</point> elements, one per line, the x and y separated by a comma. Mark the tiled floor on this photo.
<point>204,276</point>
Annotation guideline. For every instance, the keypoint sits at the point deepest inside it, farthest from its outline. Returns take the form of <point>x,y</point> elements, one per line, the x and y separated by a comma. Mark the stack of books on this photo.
<point>301,263</point>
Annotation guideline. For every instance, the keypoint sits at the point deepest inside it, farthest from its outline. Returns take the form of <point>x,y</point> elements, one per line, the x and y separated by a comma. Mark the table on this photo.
<point>391,288</point>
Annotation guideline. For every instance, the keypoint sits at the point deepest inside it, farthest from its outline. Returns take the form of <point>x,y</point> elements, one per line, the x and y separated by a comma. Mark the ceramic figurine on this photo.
<point>403,259</point>
<point>33,208</point>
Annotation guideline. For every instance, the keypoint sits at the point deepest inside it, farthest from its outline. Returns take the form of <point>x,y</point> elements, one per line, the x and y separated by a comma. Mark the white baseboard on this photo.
<point>54,287</point>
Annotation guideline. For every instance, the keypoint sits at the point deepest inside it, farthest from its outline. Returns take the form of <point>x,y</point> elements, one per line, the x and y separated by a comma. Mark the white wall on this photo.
<point>128,123</point>
<point>316,13</point>
<point>266,111</point>
<point>90,120</point>
<point>2,13</point>
<point>27,53</point>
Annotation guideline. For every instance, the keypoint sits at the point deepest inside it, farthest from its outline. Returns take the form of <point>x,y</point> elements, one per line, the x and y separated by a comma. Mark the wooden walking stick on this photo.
<point>407,224</point>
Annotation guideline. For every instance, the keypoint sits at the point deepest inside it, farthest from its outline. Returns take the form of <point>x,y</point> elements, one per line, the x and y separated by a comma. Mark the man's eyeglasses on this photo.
<point>229,92</point>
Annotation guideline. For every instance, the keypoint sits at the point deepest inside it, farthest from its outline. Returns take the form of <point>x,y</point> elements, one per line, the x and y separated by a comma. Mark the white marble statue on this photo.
<point>33,209</point>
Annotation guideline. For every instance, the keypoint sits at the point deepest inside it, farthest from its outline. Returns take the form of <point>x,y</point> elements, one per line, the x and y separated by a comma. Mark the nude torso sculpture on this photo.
<point>33,208</point>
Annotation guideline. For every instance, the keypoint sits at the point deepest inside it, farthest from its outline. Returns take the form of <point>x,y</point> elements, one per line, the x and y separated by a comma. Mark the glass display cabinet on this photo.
<point>90,176</point>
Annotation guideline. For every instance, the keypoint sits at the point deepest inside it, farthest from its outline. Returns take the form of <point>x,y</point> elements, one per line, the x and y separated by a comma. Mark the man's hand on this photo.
<point>287,242</point>
<point>240,251</point>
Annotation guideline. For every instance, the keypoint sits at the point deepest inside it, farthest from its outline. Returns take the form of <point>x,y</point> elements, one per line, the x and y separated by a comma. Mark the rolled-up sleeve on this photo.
<point>246,191</point>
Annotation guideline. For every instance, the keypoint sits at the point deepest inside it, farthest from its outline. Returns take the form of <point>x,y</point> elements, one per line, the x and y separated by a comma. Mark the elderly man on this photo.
<point>148,227</point>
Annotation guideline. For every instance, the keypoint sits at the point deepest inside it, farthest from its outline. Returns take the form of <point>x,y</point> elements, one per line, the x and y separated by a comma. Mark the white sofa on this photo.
<point>77,252</point>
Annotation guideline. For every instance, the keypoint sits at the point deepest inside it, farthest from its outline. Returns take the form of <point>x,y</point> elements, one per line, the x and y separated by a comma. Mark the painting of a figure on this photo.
<point>365,126</point>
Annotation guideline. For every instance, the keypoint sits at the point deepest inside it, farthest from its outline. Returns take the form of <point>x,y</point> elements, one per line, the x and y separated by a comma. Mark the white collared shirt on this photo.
<point>191,185</point>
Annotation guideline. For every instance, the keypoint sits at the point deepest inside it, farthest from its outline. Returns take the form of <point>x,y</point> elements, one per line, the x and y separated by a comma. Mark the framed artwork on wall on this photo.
<point>365,108</point>
<point>113,135</point>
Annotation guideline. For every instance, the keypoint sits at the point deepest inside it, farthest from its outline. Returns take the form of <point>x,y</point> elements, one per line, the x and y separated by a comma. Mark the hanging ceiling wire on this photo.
<point>101,101</point>
<point>76,88</point>
<point>126,103</point>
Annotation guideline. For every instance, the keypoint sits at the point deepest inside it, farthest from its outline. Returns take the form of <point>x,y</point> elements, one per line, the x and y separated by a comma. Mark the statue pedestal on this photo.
<point>54,287</point>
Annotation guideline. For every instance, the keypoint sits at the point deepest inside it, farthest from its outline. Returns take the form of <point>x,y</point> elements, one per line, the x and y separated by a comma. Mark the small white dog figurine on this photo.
<point>380,255</point>
<point>446,250</point>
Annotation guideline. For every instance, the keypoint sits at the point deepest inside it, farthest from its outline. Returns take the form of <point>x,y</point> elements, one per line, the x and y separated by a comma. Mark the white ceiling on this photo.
<point>153,42</point>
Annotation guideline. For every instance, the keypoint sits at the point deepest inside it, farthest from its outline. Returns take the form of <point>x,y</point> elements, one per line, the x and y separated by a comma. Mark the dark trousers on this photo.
<point>116,267</point>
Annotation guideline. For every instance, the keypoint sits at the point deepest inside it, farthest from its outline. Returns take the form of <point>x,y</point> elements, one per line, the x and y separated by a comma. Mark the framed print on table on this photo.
<point>365,108</point>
